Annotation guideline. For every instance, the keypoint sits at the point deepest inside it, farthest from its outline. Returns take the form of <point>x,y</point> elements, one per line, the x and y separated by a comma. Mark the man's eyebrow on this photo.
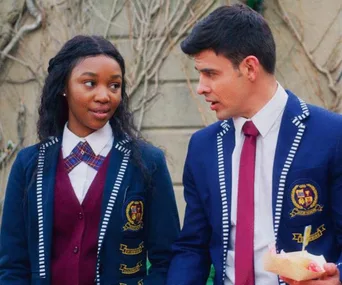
<point>205,69</point>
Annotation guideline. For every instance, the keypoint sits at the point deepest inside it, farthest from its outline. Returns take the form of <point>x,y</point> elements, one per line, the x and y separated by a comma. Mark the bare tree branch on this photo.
<point>24,64</point>
<point>115,2</point>
<point>322,70</point>
<point>327,30</point>
<point>161,52</point>
<point>25,81</point>
<point>37,14</point>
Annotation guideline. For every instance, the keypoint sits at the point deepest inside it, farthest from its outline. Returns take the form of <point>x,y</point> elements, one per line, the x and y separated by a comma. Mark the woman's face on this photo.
<point>93,94</point>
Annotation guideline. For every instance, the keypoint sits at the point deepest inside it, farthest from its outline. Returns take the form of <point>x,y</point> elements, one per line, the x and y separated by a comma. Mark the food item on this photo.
<point>298,265</point>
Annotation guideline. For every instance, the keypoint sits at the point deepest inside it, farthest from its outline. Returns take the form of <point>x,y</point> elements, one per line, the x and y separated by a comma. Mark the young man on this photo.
<point>271,166</point>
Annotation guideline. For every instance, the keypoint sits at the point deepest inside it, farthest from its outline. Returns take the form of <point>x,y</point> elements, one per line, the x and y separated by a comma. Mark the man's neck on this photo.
<point>261,93</point>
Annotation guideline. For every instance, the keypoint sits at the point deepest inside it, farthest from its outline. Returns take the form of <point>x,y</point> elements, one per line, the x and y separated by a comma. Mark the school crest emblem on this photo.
<point>134,214</point>
<point>304,198</point>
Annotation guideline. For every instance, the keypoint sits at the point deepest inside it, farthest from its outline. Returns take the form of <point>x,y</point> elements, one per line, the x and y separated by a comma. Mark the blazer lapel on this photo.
<point>117,179</point>
<point>290,134</point>
<point>45,184</point>
<point>225,147</point>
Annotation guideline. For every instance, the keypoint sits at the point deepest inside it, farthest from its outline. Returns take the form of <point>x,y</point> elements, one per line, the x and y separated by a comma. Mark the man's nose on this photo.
<point>202,88</point>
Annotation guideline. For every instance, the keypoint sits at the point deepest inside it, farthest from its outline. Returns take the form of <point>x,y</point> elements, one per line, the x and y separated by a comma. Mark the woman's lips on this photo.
<point>100,114</point>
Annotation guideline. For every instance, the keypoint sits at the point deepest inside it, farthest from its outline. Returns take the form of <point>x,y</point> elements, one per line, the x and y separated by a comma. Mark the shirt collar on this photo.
<point>267,116</point>
<point>97,140</point>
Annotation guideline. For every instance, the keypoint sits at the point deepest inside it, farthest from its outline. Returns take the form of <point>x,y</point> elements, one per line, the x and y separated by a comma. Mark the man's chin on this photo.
<point>222,117</point>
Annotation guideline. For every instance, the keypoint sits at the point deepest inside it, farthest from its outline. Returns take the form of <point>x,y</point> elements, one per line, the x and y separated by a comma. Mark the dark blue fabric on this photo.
<point>19,262</point>
<point>317,162</point>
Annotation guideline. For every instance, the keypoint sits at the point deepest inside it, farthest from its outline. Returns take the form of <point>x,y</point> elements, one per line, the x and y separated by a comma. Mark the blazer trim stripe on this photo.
<point>222,183</point>
<point>297,121</point>
<point>111,203</point>
<point>39,185</point>
<point>284,173</point>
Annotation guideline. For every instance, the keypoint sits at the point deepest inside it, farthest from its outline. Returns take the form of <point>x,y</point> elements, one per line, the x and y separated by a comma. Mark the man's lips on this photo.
<point>213,104</point>
<point>210,101</point>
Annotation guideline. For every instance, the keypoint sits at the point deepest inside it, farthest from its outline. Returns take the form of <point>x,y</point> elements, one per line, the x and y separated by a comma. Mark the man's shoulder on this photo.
<point>321,112</point>
<point>206,139</point>
<point>324,120</point>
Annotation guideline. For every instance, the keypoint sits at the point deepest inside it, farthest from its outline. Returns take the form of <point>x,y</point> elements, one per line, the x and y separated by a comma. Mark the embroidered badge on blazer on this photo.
<point>304,197</point>
<point>134,214</point>
<point>140,282</point>
<point>130,270</point>
<point>314,236</point>
<point>132,251</point>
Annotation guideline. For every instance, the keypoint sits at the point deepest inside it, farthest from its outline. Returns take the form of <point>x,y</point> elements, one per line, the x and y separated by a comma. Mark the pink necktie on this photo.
<point>244,243</point>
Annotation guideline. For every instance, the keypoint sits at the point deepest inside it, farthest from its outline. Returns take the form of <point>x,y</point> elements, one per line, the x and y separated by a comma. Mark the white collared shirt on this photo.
<point>267,121</point>
<point>82,175</point>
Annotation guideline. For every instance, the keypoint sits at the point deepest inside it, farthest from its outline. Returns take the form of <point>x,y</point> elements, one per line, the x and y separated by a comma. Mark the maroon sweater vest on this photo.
<point>75,229</point>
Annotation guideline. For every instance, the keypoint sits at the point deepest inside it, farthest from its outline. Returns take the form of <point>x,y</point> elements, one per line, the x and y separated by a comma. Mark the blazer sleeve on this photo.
<point>162,222</point>
<point>191,261</point>
<point>336,198</point>
<point>14,257</point>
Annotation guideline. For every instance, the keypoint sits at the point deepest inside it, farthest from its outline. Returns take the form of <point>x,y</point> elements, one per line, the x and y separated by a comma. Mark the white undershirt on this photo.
<point>82,175</point>
<point>267,121</point>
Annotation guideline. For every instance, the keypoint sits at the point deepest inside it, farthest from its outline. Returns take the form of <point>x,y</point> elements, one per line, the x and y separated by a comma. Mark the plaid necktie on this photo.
<point>83,152</point>
<point>244,244</point>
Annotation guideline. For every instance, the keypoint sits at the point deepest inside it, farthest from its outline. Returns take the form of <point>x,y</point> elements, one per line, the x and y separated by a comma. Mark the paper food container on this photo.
<point>294,265</point>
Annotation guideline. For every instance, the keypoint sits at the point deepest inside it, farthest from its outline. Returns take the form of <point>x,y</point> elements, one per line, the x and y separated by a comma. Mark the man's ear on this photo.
<point>250,67</point>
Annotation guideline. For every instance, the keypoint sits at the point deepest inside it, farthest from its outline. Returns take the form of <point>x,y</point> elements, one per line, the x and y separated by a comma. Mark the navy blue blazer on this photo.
<point>124,241</point>
<point>307,190</point>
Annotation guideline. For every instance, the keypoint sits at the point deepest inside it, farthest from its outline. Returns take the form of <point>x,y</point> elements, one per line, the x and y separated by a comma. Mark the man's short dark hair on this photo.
<point>235,32</point>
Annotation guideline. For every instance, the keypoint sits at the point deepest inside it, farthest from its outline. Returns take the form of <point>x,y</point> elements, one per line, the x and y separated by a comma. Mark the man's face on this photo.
<point>223,86</point>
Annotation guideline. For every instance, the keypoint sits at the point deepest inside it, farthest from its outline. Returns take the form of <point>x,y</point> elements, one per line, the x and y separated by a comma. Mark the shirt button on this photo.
<point>80,216</point>
<point>82,152</point>
<point>76,249</point>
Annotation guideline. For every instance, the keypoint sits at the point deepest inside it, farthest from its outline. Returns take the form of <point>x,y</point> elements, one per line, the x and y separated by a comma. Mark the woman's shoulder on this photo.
<point>29,154</point>
<point>149,151</point>
<point>29,151</point>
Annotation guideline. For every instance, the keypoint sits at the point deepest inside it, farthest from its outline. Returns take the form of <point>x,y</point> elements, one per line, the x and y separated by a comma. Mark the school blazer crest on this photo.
<point>130,217</point>
<point>307,181</point>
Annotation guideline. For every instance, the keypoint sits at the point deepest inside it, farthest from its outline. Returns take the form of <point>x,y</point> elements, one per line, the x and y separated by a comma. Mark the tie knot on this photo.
<point>83,148</point>
<point>249,129</point>
<point>83,152</point>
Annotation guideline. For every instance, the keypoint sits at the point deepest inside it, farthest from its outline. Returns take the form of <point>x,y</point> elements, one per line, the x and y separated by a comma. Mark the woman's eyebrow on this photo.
<point>116,76</point>
<point>89,74</point>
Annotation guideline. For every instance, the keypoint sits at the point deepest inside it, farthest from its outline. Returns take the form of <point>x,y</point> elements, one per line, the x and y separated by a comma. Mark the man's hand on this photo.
<point>331,277</point>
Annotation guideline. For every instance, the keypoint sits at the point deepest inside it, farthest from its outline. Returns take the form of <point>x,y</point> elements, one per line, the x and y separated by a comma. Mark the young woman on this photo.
<point>91,202</point>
